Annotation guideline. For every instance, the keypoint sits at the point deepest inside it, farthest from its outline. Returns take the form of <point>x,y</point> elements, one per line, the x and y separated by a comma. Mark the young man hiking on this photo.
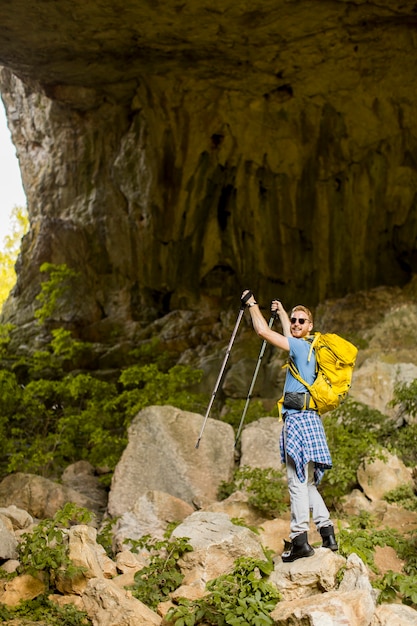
<point>304,447</point>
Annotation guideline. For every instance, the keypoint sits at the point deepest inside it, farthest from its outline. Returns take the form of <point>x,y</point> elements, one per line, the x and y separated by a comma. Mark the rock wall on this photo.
<point>175,154</point>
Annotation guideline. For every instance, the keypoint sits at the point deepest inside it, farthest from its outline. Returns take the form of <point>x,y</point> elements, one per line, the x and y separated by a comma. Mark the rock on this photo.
<point>356,576</point>
<point>355,502</point>
<point>150,515</point>
<point>8,542</point>
<point>161,456</point>
<point>107,605</point>
<point>39,496</point>
<point>217,543</point>
<point>355,608</point>
<point>10,566</point>
<point>19,518</point>
<point>374,382</point>
<point>177,223</point>
<point>307,577</point>
<point>71,599</point>
<point>82,478</point>
<point>386,559</point>
<point>85,552</point>
<point>394,615</point>
<point>377,477</point>
<point>127,561</point>
<point>24,587</point>
<point>236,507</point>
<point>260,444</point>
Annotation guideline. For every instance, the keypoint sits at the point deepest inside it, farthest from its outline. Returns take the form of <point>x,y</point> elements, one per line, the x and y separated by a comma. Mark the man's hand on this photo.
<point>247,298</point>
<point>276,307</point>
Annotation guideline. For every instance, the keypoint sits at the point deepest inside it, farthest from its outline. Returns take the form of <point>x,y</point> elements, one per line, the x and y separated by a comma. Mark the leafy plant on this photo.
<point>45,549</point>
<point>401,585</point>
<point>154,582</point>
<point>405,395</point>
<point>105,535</point>
<point>60,284</point>
<point>242,597</point>
<point>265,487</point>
<point>45,611</point>
<point>354,432</point>
<point>361,537</point>
<point>239,521</point>
<point>47,424</point>
<point>404,496</point>
<point>397,584</point>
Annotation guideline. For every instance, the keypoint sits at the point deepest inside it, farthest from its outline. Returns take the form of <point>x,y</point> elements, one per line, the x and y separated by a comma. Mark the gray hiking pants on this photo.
<point>304,497</point>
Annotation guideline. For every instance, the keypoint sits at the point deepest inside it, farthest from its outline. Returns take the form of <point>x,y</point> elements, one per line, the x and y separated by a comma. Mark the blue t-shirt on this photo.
<point>299,351</point>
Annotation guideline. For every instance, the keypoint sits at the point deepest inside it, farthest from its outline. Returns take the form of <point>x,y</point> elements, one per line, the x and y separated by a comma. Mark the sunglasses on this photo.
<point>300,320</point>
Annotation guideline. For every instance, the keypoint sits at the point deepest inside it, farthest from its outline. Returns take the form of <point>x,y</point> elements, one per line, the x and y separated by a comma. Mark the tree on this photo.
<point>10,251</point>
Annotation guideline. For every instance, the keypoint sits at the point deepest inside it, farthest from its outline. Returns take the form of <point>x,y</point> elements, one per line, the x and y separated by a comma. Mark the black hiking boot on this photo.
<point>329,541</point>
<point>297,549</point>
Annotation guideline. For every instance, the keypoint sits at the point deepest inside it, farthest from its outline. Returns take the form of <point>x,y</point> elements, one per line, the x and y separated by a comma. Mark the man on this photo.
<point>303,442</point>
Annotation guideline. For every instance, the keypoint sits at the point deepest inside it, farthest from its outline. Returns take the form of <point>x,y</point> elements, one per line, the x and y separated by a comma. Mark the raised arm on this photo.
<point>261,327</point>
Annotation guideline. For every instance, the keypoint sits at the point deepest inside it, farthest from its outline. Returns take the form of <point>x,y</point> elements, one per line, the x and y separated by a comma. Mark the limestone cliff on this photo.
<point>176,152</point>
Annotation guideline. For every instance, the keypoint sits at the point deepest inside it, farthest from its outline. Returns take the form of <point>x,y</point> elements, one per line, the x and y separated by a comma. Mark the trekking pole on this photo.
<point>258,365</point>
<point>229,347</point>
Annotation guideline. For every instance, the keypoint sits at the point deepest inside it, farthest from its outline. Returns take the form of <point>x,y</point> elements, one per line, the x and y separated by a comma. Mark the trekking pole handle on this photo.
<point>245,298</point>
<point>274,314</point>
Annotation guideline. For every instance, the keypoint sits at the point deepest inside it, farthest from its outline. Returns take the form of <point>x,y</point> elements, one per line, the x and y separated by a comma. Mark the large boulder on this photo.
<point>378,476</point>
<point>39,496</point>
<point>161,455</point>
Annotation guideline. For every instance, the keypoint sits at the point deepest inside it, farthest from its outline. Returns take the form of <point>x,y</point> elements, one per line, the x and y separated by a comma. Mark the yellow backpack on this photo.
<point>335,360</point>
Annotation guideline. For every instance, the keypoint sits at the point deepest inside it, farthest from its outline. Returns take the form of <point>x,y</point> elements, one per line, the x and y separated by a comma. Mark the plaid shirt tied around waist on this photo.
<point>306,441</point>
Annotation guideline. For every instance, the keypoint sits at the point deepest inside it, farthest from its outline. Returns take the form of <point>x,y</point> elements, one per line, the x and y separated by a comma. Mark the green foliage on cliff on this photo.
<point>52,415</point>
<point>47,424</point>
<point>59,284</point>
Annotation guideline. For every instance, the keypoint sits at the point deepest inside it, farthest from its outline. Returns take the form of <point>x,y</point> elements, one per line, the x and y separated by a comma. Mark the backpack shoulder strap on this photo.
<point>294,371</point>
<point>313,339</point>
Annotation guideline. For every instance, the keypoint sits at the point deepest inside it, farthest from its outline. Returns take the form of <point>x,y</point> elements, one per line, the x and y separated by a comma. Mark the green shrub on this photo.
<point>45,549</point>
<point>105,535</point>
<point>242,597</point>
<point>55,291</point>
<point>405,395</point>
<point>154,582</point>
<point>48,424</point>
<point>354,431</point>
<point>44,611</point>
<point>361,537</point>
<point>265,487</point>
<point>404,496</point>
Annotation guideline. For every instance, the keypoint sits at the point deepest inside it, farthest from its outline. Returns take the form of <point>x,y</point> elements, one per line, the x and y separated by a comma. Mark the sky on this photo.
<point>11,190</point>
